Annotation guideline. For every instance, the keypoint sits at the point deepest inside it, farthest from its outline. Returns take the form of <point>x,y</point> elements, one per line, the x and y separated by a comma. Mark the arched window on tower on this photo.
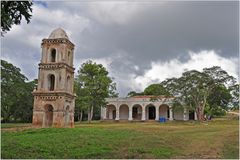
<point>68,58</point>
<point>68,83</point>
<point>51,82</point>
<point>53,55</point>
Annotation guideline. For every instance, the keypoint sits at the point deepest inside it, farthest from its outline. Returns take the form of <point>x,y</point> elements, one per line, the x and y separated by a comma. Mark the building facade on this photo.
<point>54,100</point>
<point>142,108</point>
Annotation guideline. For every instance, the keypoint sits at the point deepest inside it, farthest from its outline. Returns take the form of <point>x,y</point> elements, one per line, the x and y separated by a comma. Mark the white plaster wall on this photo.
<point>124,112</point>
<point>110,110</point>
<point>178,114</point>
<point>146,113</point>
<point>187,114</point>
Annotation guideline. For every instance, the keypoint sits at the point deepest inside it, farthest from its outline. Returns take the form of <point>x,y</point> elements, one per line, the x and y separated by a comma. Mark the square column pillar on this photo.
<point>157,113</point>
<point>170,114</point>
<point>117,113</point>
<point>185,114</point>
<point>103,113</point>
<point>143,114</point>
<point>195,116</point>
<point>130,114</point>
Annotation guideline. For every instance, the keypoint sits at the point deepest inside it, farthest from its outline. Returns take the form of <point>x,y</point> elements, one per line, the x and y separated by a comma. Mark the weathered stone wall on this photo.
<point>55,107</point>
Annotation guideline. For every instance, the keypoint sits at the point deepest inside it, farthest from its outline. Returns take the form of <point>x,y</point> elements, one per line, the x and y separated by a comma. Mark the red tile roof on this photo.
<point>151,96</point>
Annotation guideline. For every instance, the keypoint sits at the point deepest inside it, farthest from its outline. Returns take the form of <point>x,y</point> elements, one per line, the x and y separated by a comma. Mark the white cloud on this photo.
<point>174,68</point>
<point>43,22</point>
<point>24,41</point>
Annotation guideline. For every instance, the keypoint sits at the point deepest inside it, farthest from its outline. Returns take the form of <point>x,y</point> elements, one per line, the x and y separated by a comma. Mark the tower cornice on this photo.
<point>53,94</point>
<point>57,41</point>
<point>52,66</point>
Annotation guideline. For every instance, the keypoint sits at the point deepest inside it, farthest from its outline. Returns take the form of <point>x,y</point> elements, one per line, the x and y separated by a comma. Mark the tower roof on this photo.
<point>58,33</point>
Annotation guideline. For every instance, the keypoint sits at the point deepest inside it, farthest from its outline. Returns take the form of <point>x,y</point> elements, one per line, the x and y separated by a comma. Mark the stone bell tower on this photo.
<point>54,100</point>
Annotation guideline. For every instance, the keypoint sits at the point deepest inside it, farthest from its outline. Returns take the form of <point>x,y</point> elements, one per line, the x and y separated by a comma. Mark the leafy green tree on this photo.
<point>219,96</point>
<point>195,89</point>
<point>24,104</point>
<point>234,90</point>
<point>12,13</point>
<point>156,89</point>
<point>81,102</point>
<point>93,85</point>
<point>226,90</point>
<point>16,96</point>
<point>192,90</point>
<point>133,93</point>
<point>153,89</point>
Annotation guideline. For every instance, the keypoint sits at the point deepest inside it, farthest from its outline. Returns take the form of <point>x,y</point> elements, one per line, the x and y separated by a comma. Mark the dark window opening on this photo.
<point>191,115</point>
<point>151,112</point>
<point>51,82</point>
<point>53,55</point>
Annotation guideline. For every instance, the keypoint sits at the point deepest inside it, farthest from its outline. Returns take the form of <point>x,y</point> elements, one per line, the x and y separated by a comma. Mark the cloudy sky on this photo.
<point>138,42</point>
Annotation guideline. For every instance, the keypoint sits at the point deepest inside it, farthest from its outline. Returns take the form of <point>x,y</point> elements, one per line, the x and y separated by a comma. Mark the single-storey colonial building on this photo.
<point>143,108</point>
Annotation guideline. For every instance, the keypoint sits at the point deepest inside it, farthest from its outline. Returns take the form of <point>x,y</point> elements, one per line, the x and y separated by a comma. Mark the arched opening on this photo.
<point>164,111</point>
<point>67,117</point>
<point>191,115</point>
<point>68,58</point>
<point>123,112</point>
<point>68,83</point>
<point>111,112</point>
<point>51,82</point>
<point>150,112</point>
<point>53,55</point>
<point>137,112</point>
<point>48,115</point>
<point>178,113</point>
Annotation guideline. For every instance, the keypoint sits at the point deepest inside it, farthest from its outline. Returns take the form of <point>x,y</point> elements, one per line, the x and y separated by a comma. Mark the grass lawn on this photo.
<point>215,139</point>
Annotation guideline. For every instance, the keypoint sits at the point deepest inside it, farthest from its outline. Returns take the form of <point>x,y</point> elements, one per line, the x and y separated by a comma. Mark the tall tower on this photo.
<point>54,100</point>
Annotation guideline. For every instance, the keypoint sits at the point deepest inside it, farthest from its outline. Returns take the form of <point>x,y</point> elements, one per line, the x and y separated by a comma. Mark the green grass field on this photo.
<point>215,139</point>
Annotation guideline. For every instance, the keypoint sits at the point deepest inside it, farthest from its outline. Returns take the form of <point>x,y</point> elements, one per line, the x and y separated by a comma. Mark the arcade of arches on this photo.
<point>141,108</point>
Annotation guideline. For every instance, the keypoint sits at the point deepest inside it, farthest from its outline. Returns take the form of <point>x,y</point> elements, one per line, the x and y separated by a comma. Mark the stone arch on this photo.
<point>67,115</point>
<point>150,111</point>
<point>51,82</point>
<point>123,112</point>
<point>68,57</point>
<point>164,111</point>
<point>137,112</point>
<point>111,111</point>
<point>68,83</point>
<point>48,118</point>
<point>53,55</point>
<point>178,113</point>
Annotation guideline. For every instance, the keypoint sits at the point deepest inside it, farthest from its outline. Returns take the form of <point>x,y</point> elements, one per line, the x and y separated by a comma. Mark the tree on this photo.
<point>12,13</point>
<point>133,93</point>
<point>195,89</point>
<point>93,86</point>
<point>81,104</point>
<point>16,94</point>
<point>226,90</point>
<point>234,90</point>
<point>153,89</point>
<point>156,89</point>
<point>218,101</point>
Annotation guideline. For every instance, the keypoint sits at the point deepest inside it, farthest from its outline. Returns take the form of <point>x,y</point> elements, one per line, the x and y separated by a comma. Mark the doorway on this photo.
<point>191,115</point>
<point>151,112</point>
<point>48,115</point>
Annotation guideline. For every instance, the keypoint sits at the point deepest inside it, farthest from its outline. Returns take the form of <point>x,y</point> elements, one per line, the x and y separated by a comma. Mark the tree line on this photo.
<point>212,91</point>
